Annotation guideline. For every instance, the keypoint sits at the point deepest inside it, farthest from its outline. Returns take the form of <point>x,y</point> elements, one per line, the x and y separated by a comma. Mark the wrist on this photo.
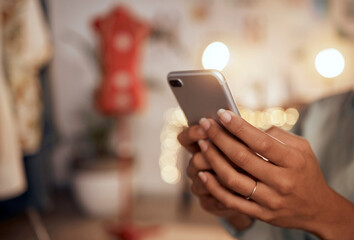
<point>335,219</point>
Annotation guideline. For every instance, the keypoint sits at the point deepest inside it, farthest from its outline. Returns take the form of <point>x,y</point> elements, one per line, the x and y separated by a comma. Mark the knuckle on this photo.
<point>195,156</point>
<point>214,133</point>
<point>305,145</point>
<point>272,130</point>
<point>286,186</point>
<point>191,134</point>
<point>263,144</point>
<point>242,158</point>
<point>192,168</point>
<point>198,162</point>
<point>300,161</point>
<point>230,182</point>
<point>266,217</point>
<point>189,171</point>
<point>239,127</point>
<point>180,138</point>
<point>276,203</point>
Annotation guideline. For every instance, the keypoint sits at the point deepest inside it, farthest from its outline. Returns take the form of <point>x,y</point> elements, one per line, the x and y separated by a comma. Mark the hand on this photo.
<point>291,190</point>
<point>188,138</point>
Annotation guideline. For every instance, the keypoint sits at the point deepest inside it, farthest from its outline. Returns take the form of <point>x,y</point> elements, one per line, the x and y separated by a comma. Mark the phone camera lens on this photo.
<point>176,83</point>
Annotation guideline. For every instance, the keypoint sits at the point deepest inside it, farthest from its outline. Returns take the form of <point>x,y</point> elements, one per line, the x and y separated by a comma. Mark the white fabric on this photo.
<point>12,176</point>
<point>27,48</point>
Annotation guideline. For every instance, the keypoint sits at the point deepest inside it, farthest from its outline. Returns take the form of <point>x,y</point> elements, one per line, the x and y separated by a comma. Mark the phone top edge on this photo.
<point>217,74</point>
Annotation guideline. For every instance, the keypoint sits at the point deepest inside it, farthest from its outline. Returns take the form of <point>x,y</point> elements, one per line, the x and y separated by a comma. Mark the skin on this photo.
<point>189,138</point>
<point>291,190</point>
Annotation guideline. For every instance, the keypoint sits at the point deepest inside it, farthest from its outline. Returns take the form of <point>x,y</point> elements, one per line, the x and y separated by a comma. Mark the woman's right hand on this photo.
<point>189,138</point>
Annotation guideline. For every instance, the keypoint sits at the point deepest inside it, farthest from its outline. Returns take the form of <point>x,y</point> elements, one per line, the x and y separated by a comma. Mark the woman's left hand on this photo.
<point>290,188</point>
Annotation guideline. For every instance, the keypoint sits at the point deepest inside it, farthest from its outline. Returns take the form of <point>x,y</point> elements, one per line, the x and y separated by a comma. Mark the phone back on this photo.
<point>201,94</point>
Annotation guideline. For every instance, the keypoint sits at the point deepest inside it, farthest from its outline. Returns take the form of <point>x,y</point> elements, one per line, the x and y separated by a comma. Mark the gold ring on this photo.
<point>254,189</point>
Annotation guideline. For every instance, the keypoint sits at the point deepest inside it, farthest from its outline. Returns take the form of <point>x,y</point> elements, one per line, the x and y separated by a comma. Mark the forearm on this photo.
<point>336,220</point>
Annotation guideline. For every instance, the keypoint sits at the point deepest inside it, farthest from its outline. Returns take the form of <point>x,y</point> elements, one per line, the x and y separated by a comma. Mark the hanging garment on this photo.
<point>12,177</point>
<point>27,48</point>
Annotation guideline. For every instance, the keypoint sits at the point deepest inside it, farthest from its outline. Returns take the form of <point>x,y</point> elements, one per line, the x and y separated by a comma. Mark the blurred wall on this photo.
<point>272,43</point>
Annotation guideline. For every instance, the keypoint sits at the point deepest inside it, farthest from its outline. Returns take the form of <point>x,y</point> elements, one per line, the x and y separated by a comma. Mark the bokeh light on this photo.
<point>216,56</point>
<point>170,174</point>
<point>170,147</point>
<point>269,117</point>
<point>329,63</point>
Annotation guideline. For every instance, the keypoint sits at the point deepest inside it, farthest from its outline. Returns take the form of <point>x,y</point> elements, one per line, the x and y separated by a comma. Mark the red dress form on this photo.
<point>121,93</point>
<point>121,38</point>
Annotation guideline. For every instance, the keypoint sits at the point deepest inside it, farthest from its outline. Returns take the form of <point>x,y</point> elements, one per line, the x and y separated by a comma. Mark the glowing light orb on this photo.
<point>170,174</point>
<point>329,63</point>
<point>216,56</point>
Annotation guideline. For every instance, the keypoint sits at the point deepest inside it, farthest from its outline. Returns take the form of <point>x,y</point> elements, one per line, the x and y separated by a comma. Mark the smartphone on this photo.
<point>201,93</point>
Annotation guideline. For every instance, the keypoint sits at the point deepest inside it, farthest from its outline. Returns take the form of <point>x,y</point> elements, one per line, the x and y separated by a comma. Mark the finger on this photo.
<point>210,204</point>
<point>264,195</point>
<point>228,176</point>
<point>234,180</point>
<point>196,164</point>
<point>241,155</point>
<point>285,137</point>
<point>198,188</point>
<point>257,140</point>
<point>189,136</point>
<point>230,200</point>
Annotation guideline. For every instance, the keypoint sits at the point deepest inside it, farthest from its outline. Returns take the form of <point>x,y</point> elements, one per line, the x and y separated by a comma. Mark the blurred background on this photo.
<point>88,123</point>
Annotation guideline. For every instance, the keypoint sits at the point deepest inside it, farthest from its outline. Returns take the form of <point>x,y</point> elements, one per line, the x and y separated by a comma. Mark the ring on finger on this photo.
<point>253,191</point>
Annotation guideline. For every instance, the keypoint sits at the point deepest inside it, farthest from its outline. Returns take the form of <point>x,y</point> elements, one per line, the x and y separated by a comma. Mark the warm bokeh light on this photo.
<point>329,63</point>
<point>292,115</point>
<point>216,56</point>
<point>170,147</point>
<point>269,117</point>
<point>277,117</point>
<point>170,174</point>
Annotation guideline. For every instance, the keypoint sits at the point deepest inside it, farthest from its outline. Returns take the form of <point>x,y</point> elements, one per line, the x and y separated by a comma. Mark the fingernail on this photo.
<point>203,145</point>
<point>204,123</point>
<point>201,132</point>
<point>224,116</point>
<point>203,177</point>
